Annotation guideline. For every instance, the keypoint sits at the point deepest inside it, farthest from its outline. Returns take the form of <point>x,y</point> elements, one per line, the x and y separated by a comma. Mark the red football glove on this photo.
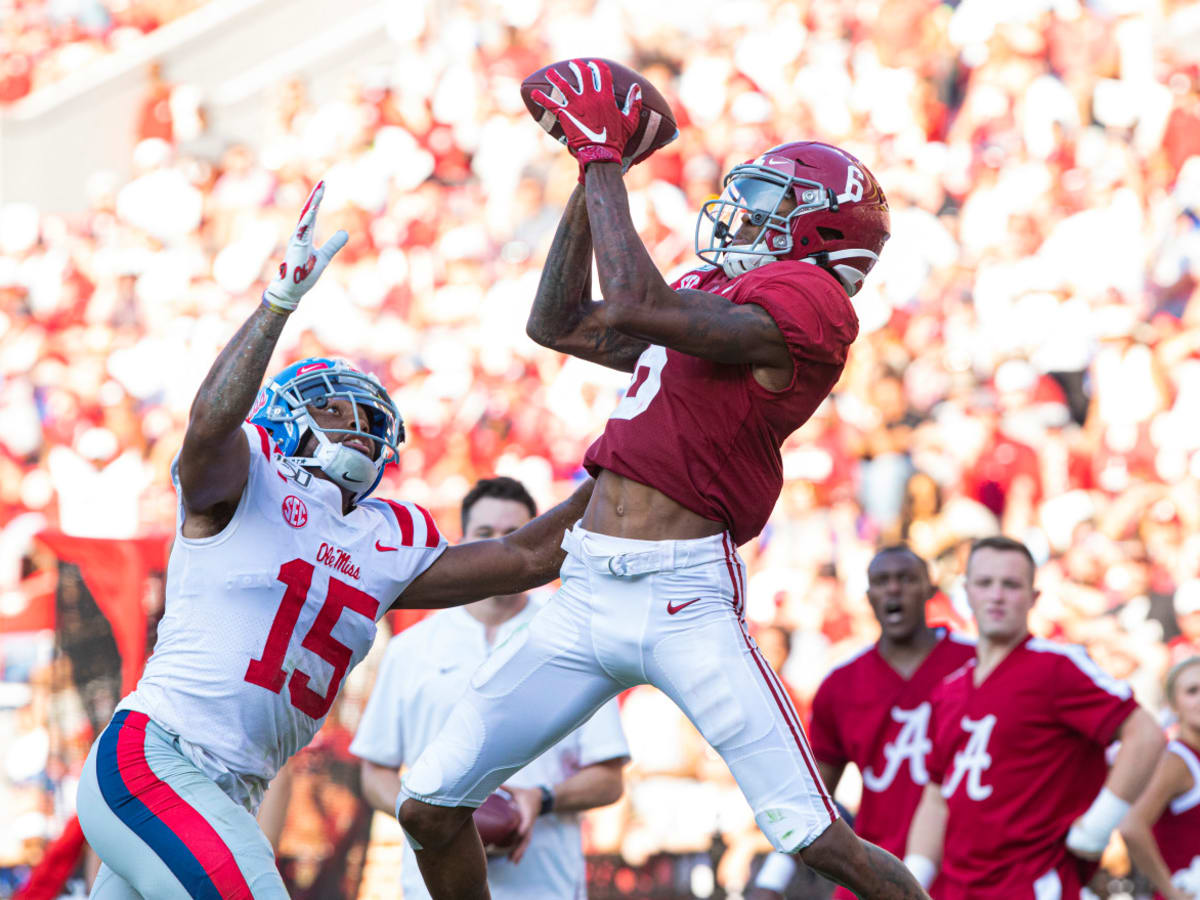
<point>595,127</point>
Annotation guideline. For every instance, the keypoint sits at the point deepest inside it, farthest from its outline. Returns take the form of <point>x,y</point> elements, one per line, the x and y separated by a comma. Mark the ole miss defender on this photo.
<point>726,363</point>
<point>281,567</point>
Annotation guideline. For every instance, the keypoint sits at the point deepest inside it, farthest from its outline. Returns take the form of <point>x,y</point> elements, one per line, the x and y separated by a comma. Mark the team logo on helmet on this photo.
<point>259,402</point>
<point>806,201</point>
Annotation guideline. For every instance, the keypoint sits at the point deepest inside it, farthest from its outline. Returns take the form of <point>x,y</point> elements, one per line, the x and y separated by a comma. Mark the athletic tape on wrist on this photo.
<point>1097,824</point>
<point>283,306</point>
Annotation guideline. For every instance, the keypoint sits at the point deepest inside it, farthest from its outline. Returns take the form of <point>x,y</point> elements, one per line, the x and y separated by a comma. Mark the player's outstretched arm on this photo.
<point>1170,779</point>
<point>214,460</point>
<point>638,301</point>
<point>564,316</point>
<point>525,559</point>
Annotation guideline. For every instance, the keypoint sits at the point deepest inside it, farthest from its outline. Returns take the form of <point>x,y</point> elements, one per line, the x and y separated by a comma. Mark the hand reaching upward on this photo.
<point>301,267</point>
<point>596,128</point>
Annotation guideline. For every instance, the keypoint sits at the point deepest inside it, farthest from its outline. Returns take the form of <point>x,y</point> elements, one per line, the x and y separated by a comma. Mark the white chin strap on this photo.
<point>735,263</point>
<point>350,468</point>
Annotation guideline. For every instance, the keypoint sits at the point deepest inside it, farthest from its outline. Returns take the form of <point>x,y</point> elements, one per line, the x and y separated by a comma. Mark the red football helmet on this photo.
<point>840,219</point>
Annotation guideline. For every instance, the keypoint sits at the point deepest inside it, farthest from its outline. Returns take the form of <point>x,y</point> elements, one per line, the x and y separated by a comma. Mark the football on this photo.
<point>497,820</point>
<point>655,129</point>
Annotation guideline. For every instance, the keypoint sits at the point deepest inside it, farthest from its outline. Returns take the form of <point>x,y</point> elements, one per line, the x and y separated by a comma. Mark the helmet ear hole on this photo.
<point>829,234</point>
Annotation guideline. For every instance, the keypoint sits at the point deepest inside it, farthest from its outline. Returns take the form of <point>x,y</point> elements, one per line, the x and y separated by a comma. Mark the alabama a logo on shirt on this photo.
<point>971,761</point>
<point>911,745</point>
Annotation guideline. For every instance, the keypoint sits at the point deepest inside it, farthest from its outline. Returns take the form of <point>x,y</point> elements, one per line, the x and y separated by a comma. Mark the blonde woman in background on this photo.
<point>1162,829</point>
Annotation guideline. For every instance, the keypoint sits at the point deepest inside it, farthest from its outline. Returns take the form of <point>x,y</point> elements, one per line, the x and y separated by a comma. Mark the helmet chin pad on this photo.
<point>735,263</point>
<point>344,465</point>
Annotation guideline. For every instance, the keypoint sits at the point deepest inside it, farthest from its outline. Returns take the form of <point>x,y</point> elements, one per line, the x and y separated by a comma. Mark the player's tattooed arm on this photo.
<point>564,316</point>
<point>517,562</point>
<point>215,458</point>
<point>640,303</point>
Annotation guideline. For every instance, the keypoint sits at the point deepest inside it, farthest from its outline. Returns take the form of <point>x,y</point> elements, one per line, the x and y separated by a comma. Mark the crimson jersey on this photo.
<point>707,434</point>
<point>866,713</point>
<point>1177,830</point>
<point>1019,758</point>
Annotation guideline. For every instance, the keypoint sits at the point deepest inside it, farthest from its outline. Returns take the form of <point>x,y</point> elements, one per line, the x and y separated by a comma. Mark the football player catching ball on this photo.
<point>726,363</point>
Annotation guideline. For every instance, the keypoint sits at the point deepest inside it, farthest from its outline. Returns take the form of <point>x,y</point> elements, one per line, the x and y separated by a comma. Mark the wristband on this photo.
<point>547,800</point>
<point>922,868</point>
<point>1091,831</point>
<point>283,307</point>
<point>776,872</point>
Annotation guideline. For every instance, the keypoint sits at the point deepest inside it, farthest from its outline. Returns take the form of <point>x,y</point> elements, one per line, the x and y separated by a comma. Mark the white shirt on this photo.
<point>424,671</point>
<point>264,619</point>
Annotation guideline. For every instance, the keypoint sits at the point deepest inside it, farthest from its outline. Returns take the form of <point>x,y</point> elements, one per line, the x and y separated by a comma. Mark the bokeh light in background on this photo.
<point>1029,358</point>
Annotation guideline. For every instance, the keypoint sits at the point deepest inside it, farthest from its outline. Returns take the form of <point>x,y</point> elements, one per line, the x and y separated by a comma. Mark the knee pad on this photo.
<point>456,749</point>
<point>728,718</point>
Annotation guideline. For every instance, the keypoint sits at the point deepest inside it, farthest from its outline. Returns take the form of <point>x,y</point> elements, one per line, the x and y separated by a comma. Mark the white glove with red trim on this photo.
<point>301,267</point>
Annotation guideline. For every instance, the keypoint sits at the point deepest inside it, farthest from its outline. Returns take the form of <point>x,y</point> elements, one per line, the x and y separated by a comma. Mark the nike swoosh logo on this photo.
<point>383,549</point>
<point>672,608</point>
<point>599,137</point>
<point>346,475</point>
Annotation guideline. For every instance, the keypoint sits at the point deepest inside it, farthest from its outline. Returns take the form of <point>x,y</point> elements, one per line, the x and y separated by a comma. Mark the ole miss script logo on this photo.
<point>295,513</point>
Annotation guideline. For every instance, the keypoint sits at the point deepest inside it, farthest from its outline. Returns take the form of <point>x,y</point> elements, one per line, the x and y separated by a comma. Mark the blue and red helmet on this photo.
<point>282,408</point>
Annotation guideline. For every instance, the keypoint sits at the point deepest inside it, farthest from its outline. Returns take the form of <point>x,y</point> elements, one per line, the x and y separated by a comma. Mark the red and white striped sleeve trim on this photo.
<point>260,440</point>
<point>417,528</point>
<point>264,441</point>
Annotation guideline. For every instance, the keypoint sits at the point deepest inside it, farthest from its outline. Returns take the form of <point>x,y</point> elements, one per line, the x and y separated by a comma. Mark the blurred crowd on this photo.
<point>43,41</point>
<point>1029,355</point>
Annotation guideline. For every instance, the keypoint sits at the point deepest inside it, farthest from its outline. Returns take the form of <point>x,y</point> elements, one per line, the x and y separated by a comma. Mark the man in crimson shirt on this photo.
<point>873,709</point>
<point>1020,801</point>
<point>726,363</point>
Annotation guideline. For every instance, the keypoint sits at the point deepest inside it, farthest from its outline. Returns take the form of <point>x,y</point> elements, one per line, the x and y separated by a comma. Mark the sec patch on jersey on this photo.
<point>656,125</point>
<point>498,820</point>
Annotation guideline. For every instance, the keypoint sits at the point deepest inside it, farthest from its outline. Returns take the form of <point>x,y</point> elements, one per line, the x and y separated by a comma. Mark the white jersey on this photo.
<point>264,620</point>
<point>424,671</point>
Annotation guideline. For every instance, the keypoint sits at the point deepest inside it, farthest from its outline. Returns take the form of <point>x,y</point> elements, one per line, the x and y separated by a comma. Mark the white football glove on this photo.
<point>301,267</point>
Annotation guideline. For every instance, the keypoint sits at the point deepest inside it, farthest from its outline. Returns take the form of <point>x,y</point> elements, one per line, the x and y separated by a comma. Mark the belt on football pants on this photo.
<point>665,556</point>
